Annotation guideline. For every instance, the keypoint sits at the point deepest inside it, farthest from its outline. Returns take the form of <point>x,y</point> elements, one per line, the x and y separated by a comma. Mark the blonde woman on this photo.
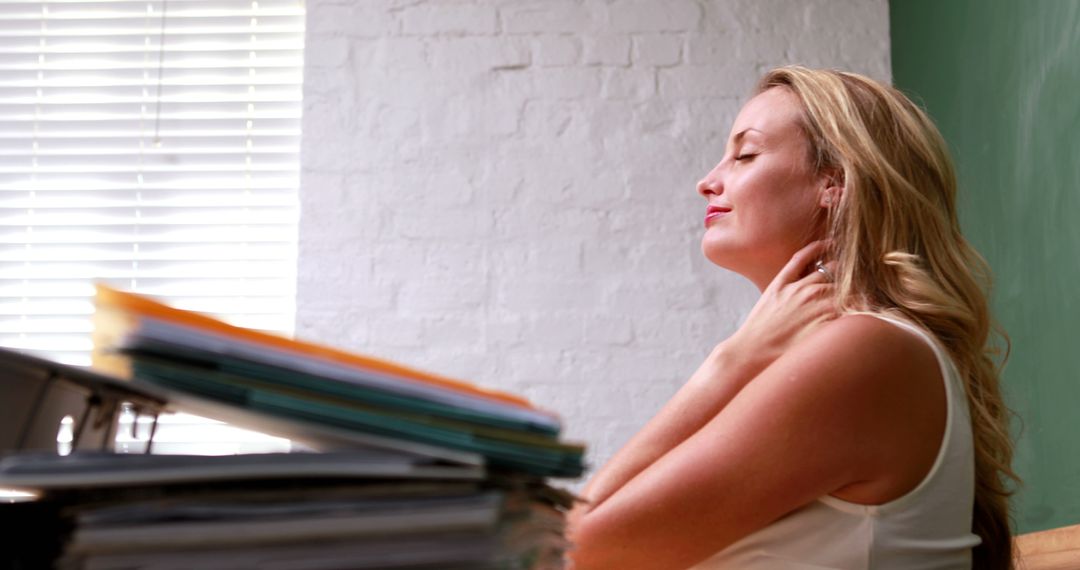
<point>854,420</point>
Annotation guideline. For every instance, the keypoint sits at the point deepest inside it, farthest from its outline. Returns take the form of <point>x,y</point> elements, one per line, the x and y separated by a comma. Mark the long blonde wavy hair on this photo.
<point>898,247</point>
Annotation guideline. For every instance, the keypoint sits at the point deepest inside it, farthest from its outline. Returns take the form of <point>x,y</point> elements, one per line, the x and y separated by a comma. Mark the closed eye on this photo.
<point>744,157</point>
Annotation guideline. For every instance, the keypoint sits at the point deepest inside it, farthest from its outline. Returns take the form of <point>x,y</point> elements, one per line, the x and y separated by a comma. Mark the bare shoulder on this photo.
<point>864,362</point>
<point>865,330</point>
<point>888,381</point>
<point>864,346</point>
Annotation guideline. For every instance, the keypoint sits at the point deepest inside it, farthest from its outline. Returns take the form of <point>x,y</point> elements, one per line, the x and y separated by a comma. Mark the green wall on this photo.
<point>1002,79</point>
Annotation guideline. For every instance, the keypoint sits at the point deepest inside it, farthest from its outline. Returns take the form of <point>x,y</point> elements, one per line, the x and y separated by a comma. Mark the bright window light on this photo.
<point>153,146</point>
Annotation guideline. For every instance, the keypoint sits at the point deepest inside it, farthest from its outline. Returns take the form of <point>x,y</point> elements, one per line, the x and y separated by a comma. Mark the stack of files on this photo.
<point>405,469</point>
<point>357,509</point>
<point>293,389</point>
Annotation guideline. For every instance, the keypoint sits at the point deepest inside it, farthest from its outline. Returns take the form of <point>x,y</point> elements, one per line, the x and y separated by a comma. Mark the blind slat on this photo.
<point>154,151</point>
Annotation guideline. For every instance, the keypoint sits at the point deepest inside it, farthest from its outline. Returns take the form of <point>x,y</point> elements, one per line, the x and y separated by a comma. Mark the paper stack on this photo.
<point>356,509</point>
<point>407,469</point>
<point>321,387</point>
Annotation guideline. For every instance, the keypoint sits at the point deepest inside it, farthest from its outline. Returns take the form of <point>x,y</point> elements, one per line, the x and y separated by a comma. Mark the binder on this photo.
<point>319,387</point>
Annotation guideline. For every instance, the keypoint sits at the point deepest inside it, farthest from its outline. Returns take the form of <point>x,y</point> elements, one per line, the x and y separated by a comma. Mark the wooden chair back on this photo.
<point>1054,549</point>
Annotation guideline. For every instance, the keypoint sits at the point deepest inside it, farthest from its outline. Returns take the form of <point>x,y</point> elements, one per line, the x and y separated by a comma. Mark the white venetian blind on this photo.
<point>152,145</point>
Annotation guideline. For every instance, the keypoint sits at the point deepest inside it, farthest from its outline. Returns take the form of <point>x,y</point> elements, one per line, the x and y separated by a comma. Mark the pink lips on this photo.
<point>713,212</point>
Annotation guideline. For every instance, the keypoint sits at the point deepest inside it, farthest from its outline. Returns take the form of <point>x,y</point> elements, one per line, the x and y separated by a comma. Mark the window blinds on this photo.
<point>151,145</point>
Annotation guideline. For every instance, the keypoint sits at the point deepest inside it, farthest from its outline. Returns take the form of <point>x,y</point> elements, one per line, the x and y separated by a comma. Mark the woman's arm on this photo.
<point>711,387</point>
<point>833,411</point>
<point>795,302</point>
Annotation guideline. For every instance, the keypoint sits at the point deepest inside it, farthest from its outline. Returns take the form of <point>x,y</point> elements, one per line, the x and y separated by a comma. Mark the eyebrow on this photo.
<point>739,135</point>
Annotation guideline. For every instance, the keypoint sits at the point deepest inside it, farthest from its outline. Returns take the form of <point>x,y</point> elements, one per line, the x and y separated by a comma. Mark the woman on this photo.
<point>854,420</point>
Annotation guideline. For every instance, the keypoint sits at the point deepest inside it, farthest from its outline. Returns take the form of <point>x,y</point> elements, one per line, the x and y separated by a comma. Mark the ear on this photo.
<point>831,196</point>
<point>833,189</point>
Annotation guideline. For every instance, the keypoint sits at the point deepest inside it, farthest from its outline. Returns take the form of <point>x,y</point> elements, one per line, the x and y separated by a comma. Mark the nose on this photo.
<point>711,185</point>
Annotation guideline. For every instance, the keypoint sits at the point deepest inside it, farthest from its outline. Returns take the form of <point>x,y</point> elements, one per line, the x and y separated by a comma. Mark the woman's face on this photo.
<point>764,198</point>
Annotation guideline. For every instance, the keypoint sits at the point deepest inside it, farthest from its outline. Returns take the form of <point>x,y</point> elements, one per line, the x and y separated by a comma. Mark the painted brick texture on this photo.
<point>503,191</point>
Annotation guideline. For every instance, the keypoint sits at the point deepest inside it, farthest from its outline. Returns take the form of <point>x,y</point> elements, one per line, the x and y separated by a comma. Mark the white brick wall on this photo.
<point>503,191</point>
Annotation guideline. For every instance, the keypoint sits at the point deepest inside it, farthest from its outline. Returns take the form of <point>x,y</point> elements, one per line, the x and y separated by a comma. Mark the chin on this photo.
<point>744,259</point>
<point>721,255</point>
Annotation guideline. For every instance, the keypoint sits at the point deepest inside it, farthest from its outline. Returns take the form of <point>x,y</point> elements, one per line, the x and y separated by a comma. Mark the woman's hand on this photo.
<point>798,299</point>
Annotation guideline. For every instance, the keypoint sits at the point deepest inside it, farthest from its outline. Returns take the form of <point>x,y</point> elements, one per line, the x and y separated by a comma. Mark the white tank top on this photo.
<point>928,528</point>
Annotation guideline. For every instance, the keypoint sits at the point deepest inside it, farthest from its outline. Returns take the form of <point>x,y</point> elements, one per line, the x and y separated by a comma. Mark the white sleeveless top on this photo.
<point>928,528</point>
